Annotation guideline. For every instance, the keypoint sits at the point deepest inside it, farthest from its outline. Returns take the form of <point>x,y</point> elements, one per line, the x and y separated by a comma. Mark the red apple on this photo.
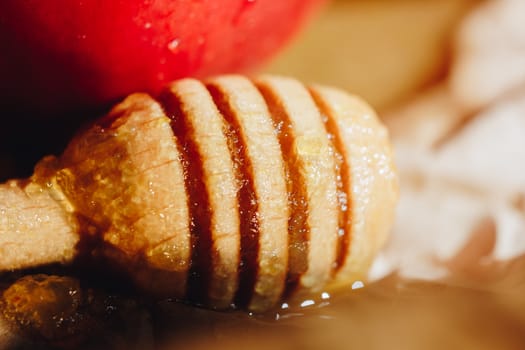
<point>62,53</point>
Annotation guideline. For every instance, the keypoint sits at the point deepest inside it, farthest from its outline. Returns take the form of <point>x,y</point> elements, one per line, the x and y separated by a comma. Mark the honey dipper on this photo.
<point>227,192</point>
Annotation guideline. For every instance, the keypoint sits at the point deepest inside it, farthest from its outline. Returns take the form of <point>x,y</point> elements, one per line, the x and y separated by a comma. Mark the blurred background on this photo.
<point>383,50</point>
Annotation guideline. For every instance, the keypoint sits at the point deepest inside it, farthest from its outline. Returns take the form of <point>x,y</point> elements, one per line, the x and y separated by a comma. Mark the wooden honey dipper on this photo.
<point>228,192</point>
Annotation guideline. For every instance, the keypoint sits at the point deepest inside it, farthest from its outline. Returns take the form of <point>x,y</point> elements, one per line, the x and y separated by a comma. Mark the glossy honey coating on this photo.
<point>228,192</point>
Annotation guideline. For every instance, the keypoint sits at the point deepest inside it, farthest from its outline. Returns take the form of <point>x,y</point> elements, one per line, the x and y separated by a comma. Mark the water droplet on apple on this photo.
<point>172,45</point>
<point>147,25</point>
